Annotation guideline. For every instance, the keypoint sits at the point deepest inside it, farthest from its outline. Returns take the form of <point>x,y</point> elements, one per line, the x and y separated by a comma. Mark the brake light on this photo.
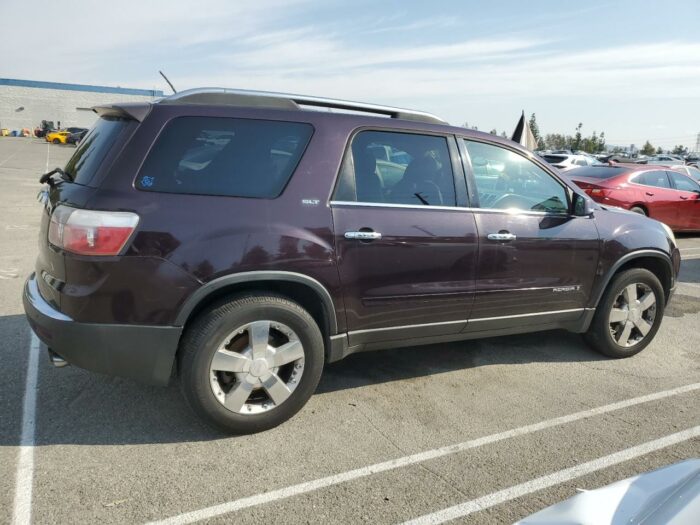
<point>89,232</point>
<point>591,189</point>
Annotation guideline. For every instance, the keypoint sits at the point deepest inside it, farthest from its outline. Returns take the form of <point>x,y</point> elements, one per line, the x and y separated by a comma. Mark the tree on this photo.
<point>556,141</point>
<point>576,144</point>
<point>647,149</point>
<point>680,150</point>
<point>494,131</point>
<point>536,132</point>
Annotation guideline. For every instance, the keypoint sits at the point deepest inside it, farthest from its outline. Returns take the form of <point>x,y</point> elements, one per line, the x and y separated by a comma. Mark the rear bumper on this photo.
<point>140,352</point>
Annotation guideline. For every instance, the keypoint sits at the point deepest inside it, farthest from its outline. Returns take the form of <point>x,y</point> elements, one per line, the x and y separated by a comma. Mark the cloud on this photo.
<point>461,68</point>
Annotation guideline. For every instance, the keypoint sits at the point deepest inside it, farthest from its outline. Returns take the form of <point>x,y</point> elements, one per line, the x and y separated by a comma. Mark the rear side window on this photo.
<point>683,183</point>
<point>224,156</point>
<point>658,179</point>
<point>397,168</point>
<point>93,149</point>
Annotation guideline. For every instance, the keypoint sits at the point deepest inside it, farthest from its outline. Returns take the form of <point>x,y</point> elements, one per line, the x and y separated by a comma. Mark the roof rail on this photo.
<point>249,98</point>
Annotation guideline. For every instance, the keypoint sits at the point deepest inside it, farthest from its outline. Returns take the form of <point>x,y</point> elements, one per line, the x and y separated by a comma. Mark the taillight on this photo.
<point>89,232</point>
<point>591,189</point>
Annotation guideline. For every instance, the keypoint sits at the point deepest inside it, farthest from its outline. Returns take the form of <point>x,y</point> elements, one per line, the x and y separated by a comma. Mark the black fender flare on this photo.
<point>637,254</point>
<point>260,276</point>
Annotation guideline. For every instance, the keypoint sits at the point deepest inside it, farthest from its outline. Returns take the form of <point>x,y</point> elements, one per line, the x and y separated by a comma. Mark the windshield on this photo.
<point>93,149</point>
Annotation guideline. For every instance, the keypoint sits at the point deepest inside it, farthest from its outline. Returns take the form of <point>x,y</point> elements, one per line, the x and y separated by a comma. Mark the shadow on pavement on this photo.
<point>690,271</point>
<point>78,407</point>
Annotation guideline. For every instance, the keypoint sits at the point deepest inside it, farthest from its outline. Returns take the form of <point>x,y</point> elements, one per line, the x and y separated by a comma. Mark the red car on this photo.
<point>664,193</point>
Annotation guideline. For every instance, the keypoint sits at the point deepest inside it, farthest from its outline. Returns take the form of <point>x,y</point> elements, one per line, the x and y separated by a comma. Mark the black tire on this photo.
<point>203,337</point>
<point>639,210</point>
<point>56,141</point>
<point>599,335</point>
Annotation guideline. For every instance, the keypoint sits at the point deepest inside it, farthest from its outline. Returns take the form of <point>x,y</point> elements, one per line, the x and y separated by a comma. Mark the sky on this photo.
<point>628,68</point>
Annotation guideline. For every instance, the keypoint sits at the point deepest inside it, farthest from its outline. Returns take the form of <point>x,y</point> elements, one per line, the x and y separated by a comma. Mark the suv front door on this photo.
<point>537,262</point>
<point>406,245</point>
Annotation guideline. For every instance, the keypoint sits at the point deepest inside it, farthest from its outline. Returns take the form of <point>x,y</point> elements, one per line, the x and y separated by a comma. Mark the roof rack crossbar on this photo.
<point>249,98</point>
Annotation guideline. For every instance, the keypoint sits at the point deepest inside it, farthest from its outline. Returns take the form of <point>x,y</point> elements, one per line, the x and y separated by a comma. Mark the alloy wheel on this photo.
<point>632,315</point>
<point>257,367</point>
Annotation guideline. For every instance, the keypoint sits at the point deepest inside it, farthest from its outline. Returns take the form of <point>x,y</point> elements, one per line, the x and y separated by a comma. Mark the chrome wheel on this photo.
<point>632,314</point>
<point>257,367</point>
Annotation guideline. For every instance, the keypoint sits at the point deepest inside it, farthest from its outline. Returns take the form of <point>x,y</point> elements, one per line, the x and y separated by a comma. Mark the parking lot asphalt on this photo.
<point>369,446</point>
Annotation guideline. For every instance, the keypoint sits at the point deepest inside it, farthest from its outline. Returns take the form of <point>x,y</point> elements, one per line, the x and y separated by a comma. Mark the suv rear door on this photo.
<point>537,262</point>
<point>405,241</point>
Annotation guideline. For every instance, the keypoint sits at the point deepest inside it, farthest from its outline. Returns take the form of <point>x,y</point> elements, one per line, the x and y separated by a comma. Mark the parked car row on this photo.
<point>670,194</point>
<point>66,136</point>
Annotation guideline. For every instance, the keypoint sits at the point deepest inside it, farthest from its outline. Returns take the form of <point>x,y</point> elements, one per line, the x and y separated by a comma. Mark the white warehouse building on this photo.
<point>25,103</point>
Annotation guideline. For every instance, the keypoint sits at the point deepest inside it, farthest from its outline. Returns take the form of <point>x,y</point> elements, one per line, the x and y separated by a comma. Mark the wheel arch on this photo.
<point>656,261</point>
<point>307,291</point>
<point>641,205</point>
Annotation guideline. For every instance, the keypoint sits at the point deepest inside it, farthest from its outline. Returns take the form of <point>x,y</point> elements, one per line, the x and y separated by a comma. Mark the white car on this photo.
<point>567,161</point>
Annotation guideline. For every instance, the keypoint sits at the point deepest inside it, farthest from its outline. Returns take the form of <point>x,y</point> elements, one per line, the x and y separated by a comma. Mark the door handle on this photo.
<point>684,198</point>
<point>363,235</point>
<point>650,194</point>
<point>501,236</point>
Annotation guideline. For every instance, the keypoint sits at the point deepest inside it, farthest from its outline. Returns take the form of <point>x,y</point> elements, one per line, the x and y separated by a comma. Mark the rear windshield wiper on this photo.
<point>47,178</point>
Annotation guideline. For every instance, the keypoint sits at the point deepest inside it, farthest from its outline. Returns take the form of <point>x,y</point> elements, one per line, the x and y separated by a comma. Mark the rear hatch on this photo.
<point>558,161</point>
<point>83,174</point>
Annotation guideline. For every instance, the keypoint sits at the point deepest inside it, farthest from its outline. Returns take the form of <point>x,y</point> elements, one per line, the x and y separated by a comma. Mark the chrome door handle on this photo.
<point>363,236</point>
<point>501,237</point>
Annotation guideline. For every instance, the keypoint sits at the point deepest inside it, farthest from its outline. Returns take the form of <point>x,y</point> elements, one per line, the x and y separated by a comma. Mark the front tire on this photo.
<point>639,210</point>
<point>629,314</point>
<point>249,363</point>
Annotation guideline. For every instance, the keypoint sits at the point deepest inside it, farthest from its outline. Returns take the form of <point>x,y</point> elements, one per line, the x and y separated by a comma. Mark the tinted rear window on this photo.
<point>93,149</point>
<point>224,156</point>
<point>598,172</point>
<point>555,159</point>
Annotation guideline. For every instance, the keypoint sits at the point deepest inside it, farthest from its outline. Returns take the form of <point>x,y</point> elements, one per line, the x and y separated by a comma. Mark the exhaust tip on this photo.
<point>57,360</point>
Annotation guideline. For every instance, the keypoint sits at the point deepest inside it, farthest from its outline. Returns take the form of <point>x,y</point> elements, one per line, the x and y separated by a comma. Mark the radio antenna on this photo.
<point>168,81</point>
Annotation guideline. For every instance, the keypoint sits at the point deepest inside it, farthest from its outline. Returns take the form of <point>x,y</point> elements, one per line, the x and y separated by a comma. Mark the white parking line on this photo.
<point>310,486</point>
<point>22,508</point>
<point>561,476</point>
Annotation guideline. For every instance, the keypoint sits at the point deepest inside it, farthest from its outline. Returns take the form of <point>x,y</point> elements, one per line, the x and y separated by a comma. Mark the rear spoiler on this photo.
<point>134,111</point>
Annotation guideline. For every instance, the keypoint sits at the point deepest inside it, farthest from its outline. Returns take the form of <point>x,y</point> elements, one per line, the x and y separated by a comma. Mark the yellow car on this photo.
<point>58,137</point>
<point>4,132</point>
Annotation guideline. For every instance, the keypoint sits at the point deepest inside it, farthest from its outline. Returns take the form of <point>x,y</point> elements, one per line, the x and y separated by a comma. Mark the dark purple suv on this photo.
<point>240,240</point>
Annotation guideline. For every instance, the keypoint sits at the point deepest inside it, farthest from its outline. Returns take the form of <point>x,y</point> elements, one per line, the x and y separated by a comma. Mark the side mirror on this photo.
<point>582,207</point>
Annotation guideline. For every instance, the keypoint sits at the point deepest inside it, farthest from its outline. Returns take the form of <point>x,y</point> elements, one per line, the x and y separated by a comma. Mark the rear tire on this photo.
<point>638,209</point>
<point>56,141</point>
<point>624,325</point>
<point>251,362</point>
